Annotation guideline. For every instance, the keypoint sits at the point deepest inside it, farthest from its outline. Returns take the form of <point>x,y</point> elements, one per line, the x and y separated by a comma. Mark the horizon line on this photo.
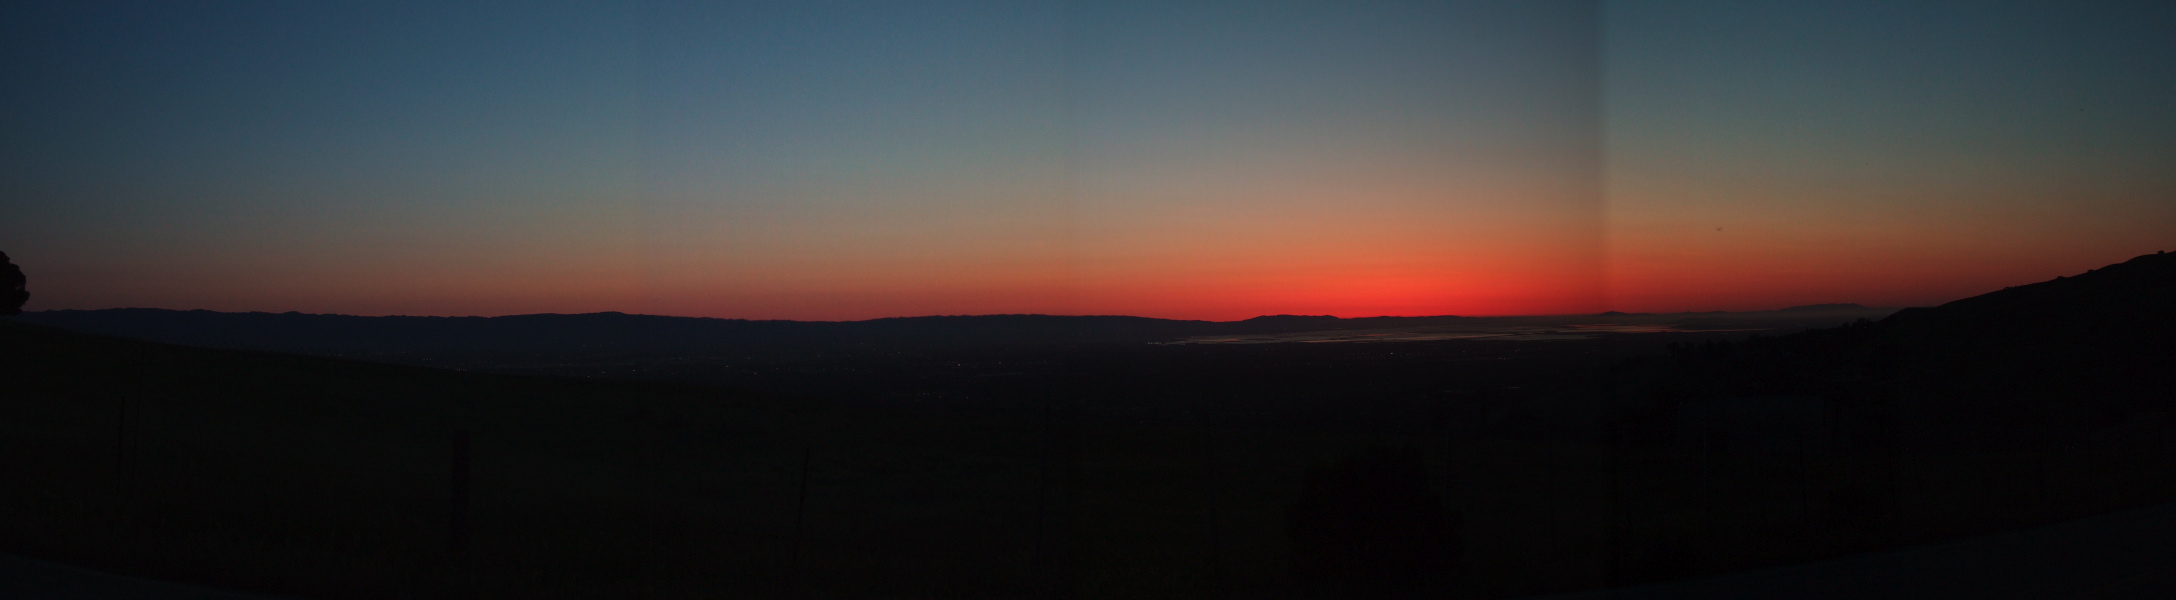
<point>1608,313</point>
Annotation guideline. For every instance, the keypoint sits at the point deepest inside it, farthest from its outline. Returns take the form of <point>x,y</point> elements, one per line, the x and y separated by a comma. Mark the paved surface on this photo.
<point>2119,556</point>
<point>2125,555</point>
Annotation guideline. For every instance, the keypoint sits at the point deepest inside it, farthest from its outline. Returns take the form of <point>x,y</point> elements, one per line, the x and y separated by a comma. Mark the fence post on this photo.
<point>120,452</point>
<point>1707,482</point>
<point>800,513</point>
<point>1805,491</point>
<point>1615,535</point>
<point>458,501</point>
<point>1216,543</point>
<point>1053,492</point>
<point>1043,477</point>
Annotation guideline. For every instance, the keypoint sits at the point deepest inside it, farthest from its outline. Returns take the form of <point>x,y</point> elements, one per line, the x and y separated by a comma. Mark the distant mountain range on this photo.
<point>617,332</point>
<point>1851,308</point>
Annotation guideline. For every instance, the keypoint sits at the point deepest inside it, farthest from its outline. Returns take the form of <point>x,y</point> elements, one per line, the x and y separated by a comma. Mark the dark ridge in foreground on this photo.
<point>2072,362</point>
<point>2116,319</point>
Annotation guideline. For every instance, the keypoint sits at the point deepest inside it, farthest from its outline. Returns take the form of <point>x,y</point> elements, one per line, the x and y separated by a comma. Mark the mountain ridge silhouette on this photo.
<point>300,331</point>
<point>2027,366</point>
<point>336,333</point>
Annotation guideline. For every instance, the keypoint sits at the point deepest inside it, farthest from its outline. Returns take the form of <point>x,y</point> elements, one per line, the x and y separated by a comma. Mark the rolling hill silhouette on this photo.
<point>2118,316</point>
<point>618,333</point>
<point>2111,330</point>
<point>648,333</point>
<point>2116,320</point>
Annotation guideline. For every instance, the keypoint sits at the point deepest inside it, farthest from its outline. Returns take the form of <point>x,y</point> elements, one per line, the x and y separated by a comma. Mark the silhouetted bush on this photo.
<point>12,293</point>
<point>1369,524</point>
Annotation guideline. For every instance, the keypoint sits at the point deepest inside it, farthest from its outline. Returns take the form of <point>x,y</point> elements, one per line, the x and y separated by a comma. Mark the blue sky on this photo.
<point>833,160</point>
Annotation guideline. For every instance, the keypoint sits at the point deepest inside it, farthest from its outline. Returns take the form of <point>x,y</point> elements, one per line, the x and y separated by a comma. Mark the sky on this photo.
<point>836,160</point>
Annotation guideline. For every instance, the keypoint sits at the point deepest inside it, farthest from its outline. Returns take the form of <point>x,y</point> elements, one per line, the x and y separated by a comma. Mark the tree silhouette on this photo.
<point>1369,526</point>
<point>12,293</point>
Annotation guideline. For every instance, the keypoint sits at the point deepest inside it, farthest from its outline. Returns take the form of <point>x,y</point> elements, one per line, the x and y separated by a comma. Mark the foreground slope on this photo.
<point>324,477</point>
<point>319,477</point>
<point>2023,406</point>
<point>2046,363</point>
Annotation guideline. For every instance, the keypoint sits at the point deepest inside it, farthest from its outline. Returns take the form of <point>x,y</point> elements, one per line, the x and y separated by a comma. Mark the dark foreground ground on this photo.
<point>2120,556</point>
<point>1091,469</point>
<point>2127,555</point>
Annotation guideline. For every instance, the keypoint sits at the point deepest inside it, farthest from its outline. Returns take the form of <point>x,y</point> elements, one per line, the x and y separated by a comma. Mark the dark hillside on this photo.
<point>2100,342</point>
<point>2119,318</point>
<point>332,478</point>
<point>2027,405</point>
<point>329,478</point>
<point>1115,470</point>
